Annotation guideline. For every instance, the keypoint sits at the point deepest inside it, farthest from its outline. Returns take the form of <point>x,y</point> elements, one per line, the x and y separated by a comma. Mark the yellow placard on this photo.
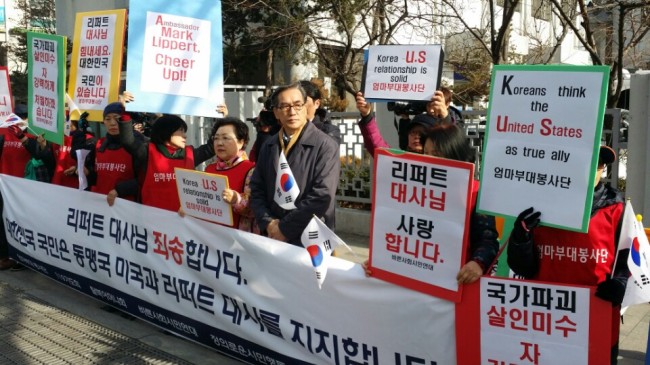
<point>96,61</point>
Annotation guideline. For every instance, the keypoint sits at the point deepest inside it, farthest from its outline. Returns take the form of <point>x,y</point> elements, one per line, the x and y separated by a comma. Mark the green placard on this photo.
<point>542,141</point>
<point>46,65</point>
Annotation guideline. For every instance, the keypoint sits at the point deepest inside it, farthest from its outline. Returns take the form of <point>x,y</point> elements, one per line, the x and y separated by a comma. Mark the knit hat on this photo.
<point>424,120</point>
<point>163,128</point>
<point>21,110</point>
<point>115,108</point>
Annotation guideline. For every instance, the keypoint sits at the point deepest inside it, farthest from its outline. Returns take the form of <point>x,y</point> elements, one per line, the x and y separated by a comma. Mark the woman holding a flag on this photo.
<point>602,268</point>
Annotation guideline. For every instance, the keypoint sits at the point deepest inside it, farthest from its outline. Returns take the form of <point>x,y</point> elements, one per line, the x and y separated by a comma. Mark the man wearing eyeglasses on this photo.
<point>313,158</point>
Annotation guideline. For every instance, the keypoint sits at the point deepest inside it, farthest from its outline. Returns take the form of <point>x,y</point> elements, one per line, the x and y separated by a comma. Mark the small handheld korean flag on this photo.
<point>286,189</point>
<point>11,120</point>
<point>633,237</point>
<point>320,242</point>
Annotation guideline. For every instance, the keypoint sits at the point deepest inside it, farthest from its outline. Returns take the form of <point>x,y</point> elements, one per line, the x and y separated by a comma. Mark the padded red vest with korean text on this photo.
<point>14,156</point>
<point>63,161</point>
<point>112,167</point>
<point>236,180</point>
<point>594,254</point>
<point>579,258</point>
<point>159,186</point>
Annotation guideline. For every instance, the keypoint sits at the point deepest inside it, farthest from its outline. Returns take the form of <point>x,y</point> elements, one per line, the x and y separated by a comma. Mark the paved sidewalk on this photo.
<point>44,322</point>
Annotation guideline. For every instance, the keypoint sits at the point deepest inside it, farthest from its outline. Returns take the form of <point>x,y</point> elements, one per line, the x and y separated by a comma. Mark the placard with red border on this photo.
<point>420,219</point>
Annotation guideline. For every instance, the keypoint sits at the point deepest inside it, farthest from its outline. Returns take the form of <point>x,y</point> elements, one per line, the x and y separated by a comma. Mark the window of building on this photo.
<point>501,3</point>
<point>541,9</point>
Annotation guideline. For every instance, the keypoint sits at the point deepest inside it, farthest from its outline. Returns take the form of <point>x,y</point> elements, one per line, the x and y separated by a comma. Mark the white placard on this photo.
<point>420,210</point>
<point>403,72</point>
<point>542,139</point>
<point>534,323</point>
<point>176,56</point>
<point>200,195</point>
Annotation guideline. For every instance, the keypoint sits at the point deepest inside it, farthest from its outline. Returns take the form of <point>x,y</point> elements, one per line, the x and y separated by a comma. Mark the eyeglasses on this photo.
<point>286,107</point>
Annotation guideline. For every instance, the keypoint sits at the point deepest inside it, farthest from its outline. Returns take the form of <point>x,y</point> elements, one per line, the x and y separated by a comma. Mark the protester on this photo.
<point>65,169</point>
<point>318,116</point>
<point>266,125</point>
<point>230,137</point>
<point>455,116</point>
<point>13,159</point>
<point>155,160</point>
<point>449,141</point>
<point>372,138</point>
<point>110,168</point>
<point>527,241</point>
<point>313,158</point>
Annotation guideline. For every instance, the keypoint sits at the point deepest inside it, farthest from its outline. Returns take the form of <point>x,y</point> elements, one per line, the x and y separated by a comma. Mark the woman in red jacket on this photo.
<point>230,137</point>
<point>155,160</point>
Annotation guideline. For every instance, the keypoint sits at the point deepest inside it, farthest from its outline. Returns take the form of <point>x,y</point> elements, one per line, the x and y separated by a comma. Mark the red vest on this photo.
<point>159,187</point>
<point>14,156</point>
<point>112,167</point>
<point>64,161</point>
<point>236,180</point>
<point>579,258</point>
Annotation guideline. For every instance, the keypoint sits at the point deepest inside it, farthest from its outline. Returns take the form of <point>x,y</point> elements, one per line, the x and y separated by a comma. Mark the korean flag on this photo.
<point>633,237</point>
<point>320,242</point>
<point>11,120</point>
<point>286,188</point>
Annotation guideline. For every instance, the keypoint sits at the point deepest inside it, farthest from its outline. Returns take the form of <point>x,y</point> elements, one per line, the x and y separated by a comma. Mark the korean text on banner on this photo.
<point>402,72</point>
<point>248,296</point>
<point>96,61</point>
<point>46,64</point>
<point>542,142</point>
<point>532,321</point>
<point>6,100</point>
<point>175,56</point>
<point>200,195</point>
<point>420,218</point>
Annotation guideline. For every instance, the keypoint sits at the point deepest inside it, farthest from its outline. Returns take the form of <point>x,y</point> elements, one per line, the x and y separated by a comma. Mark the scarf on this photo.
<point>171,152</point>
<point>223,165</point>
<point>292,140</point>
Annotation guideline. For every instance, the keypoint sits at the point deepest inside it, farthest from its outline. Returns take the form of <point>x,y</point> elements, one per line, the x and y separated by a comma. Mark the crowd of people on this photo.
<point>126,164</point>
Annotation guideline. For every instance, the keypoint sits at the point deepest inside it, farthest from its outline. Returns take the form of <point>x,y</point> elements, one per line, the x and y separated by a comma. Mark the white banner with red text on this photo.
<point>245,295</point>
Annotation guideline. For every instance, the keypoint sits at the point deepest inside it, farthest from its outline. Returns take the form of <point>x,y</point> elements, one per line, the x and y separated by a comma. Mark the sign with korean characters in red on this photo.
<point>421,207</point>
<point>532,322</point>
<point>402,72</point>
<point>542,141</point>
<point>96,60</point>
<point>200,195</point>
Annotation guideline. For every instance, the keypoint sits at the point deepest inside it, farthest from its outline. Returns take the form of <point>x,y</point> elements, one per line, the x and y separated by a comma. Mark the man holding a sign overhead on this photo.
<point>297,171</point>
<point>561,256</point>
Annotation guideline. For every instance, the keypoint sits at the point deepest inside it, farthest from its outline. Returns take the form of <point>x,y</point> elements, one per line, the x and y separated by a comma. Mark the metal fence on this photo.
<point>355,185</point>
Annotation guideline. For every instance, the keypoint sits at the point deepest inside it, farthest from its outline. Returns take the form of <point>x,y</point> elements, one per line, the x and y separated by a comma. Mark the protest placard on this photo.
<point>402,72</point>
<point>175,57</point>
<point>420,221</point>
<point>532,321</point>
<point>200,195</point>
<point>542,142</point>
<point>96,61</point>
<point>6,100</point>
<point>46,65</point>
